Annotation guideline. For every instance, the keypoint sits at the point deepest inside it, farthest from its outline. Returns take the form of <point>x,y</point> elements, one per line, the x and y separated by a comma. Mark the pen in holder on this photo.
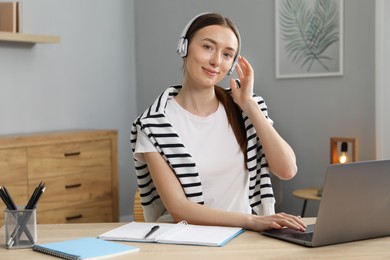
<point>20,228</point>
<point>21,223</point>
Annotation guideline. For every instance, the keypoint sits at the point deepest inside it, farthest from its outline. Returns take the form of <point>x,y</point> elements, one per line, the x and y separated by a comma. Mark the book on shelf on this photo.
<point>170,233</point>
<point>10,17</point>
<point>84,248</point>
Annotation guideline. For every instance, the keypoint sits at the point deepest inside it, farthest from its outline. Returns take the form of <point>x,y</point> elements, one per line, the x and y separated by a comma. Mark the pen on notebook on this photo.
<point>152,230</point>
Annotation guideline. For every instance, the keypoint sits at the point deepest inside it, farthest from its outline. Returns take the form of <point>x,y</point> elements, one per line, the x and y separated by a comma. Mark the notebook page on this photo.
<point>201,235</point>
<point>172,231</point>
<point>136,231</point>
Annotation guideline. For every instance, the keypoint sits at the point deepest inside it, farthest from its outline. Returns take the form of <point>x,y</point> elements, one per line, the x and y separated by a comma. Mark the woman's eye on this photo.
<point>207,47</point>
<point>228,55</point>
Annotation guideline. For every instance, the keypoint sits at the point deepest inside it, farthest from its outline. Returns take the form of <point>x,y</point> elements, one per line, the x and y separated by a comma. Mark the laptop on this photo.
<point>355,205</point>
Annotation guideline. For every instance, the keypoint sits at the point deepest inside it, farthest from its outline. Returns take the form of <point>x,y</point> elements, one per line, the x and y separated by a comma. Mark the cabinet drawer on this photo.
<point>79,168</point>
<point>69,158</point>
<point>13,175</point>
<point>94,212</point>
<point>72,190</point>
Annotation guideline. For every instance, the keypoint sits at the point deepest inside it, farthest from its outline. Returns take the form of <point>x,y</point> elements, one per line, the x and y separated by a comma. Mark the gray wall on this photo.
<point>307,112</point>
<point>86,81</point>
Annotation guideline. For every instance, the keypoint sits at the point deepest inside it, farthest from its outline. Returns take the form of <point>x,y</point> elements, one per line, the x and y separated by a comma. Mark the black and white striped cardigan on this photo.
<point>157,127</point>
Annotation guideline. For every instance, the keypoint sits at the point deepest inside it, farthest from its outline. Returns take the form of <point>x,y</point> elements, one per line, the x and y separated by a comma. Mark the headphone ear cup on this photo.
<point>182,47</point>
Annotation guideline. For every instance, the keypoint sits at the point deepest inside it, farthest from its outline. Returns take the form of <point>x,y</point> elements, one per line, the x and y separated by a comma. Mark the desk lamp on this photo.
<point>339,152</point>
<point>344,156</point>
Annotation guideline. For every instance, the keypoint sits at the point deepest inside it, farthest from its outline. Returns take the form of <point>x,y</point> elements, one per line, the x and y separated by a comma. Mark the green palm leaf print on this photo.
<point>308,32</point>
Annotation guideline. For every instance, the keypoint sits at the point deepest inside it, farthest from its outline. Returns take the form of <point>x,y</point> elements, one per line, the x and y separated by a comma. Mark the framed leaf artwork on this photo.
<point>309,38</point>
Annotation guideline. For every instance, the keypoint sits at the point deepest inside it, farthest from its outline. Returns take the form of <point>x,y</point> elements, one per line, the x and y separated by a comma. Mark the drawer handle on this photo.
<point>72,186</point>
<point>72,154</point>
<point>74,217</point>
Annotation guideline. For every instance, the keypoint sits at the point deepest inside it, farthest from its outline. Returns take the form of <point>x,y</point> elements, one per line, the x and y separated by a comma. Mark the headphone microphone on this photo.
<point>182,47</point>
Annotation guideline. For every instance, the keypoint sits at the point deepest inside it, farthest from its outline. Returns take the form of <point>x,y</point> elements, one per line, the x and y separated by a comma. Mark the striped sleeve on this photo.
<point>261,195</point>
<point>155,125</point>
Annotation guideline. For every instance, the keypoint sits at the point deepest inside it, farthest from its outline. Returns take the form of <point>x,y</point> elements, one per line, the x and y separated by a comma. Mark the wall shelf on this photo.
<point>28,38</point>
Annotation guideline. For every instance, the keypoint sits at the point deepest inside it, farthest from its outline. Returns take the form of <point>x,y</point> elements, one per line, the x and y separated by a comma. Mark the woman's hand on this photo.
<point>277,221</point>
<point>281,158</point>
<point>243,95</point>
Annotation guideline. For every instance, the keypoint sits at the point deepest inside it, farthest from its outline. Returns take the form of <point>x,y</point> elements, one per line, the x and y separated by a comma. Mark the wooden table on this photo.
<point>307,194</point>
<point>249,245</point>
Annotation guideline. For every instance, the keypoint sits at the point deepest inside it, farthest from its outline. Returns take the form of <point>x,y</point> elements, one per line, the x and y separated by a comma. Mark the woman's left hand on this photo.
<point>243,94</point>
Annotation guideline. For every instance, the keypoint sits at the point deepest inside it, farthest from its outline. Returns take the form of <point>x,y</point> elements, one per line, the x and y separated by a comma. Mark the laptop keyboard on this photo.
<point>302,236</point>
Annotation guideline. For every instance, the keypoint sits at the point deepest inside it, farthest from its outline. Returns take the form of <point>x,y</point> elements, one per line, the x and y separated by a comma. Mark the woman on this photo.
<point>204,154</point>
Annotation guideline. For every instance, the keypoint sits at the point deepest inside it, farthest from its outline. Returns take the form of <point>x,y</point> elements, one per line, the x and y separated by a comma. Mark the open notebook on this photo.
<point>180,233</point>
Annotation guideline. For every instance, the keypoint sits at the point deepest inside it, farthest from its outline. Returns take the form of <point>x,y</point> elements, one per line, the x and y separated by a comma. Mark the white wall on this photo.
<point>86,81</point>
<point>382,79</point>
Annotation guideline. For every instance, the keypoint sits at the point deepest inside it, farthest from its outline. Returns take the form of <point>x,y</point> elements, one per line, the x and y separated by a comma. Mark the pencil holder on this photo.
<point>20,228</point>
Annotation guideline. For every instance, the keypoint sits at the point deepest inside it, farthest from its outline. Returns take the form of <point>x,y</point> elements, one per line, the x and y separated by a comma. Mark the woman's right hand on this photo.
<point>180,208</point>
<point>277,221</point>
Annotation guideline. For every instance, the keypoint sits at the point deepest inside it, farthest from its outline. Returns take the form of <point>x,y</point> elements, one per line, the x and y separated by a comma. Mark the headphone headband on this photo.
<point>182,47</point>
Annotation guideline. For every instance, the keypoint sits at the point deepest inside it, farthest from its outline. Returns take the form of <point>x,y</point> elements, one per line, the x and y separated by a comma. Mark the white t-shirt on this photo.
<point>220,162</point>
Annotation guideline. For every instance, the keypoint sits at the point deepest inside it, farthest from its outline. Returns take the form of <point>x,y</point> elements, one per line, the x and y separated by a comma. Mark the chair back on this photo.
<point>138,210</point>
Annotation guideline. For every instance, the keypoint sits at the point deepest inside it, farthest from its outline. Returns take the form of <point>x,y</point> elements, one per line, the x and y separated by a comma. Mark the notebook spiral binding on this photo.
<point>55,253</point>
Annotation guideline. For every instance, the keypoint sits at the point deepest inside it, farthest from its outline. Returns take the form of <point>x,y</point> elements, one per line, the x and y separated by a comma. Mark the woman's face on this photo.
<point>210,55</point>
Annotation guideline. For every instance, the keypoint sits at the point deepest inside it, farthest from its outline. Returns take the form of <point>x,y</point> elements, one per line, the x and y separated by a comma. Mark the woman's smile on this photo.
<point>210,71</point>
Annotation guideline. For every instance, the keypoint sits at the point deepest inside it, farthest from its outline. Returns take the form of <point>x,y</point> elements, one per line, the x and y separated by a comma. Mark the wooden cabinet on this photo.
<point>78,167</point>
<point>13,175</point>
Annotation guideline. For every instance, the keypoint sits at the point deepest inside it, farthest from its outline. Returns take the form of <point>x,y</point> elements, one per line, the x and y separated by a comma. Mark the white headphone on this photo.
<point>182,47</point>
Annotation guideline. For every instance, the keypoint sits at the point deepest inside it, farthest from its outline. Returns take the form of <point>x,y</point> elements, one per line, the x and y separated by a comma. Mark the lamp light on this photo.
<point>342,150</point>
<point>344,156</point>
<point>339,152</point>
